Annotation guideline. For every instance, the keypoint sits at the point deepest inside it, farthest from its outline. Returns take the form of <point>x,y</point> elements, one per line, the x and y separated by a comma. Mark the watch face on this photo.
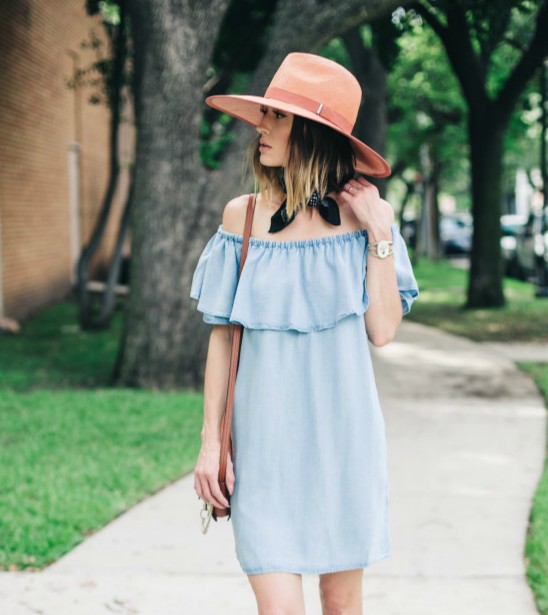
<point>383,248</point>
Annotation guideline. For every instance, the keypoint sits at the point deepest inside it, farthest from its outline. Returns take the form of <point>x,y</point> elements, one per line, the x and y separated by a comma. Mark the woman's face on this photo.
<point>275,127</point>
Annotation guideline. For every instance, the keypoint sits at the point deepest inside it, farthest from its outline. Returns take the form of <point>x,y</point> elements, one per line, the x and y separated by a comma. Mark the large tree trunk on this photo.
<point>371,123</point>
<point>486,134</point>
<point>173,43</point>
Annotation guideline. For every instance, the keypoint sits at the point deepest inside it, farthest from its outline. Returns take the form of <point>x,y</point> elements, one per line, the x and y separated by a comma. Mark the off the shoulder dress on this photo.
<point>308,434</point>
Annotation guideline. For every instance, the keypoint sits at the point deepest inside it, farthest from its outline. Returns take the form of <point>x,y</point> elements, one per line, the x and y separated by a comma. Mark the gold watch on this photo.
<point>381,249</point>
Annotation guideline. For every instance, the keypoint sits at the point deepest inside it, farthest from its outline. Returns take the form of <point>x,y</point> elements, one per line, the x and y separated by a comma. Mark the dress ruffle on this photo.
<point>303,285</point>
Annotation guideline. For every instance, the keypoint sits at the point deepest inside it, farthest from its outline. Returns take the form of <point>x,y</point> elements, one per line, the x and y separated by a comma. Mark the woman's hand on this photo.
<point>375,214</point>
<point>206,475</point>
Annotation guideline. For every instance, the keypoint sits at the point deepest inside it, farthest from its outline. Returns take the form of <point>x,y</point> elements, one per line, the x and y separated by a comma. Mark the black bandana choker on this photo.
<point>328,207</point>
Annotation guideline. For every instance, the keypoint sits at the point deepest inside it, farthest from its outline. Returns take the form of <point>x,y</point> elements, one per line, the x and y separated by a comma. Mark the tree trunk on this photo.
<point>429,220</point>
<point>173,42</point>
<point>428,231</point>
<point>435,211</point>
<point>371,123</point>
<point>486,134</point>
<point>430,210</point>
<point>114,87</point>
<point>108,302</point>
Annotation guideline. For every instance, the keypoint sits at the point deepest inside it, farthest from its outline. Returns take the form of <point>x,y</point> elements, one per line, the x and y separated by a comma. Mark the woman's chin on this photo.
<point>269,163</point>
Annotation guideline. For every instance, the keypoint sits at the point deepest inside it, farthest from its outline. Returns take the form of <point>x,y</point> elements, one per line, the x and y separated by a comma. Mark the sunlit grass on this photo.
<point>74,453</point>
<point>443,296</point>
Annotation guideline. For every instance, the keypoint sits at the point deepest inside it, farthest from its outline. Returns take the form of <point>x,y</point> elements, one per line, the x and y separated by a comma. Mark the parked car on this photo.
<point>456,234</point>
<point>532,246</point>
<point>510,224</point>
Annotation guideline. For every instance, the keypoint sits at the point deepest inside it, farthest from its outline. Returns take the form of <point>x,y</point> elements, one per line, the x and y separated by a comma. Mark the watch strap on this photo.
<point>381,249</point>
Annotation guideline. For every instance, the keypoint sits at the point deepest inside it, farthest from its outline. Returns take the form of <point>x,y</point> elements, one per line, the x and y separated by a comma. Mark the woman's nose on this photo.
<point>261,126</point>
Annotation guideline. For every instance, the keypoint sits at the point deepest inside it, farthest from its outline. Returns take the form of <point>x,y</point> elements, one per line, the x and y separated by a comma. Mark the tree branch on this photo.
<point>327,20</point>
<point>515,44</point>
<point>456,40</point>
<point>529,62</point>
<point>423,8</point>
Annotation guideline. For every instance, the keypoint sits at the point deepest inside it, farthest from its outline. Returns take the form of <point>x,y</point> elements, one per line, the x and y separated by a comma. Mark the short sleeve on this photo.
<point>407,284</point>
<point>215,279</point>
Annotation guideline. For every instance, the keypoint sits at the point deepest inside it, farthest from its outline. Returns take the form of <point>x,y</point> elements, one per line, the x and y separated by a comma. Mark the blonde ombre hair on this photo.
<point>318,155</point>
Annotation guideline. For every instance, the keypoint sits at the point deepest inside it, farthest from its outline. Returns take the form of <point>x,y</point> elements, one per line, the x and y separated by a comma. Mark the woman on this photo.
<point>326,270</point>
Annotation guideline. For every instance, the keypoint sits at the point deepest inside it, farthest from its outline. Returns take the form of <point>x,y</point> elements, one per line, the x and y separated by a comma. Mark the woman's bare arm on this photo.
<point>216,381</point>
<point>215,389</point>
<point>384,313</point>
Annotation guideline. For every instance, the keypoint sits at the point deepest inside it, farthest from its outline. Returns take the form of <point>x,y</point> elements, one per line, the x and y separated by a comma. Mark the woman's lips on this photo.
<point>263,147</point>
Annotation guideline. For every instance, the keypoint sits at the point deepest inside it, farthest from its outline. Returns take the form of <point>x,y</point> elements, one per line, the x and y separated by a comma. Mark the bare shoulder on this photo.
<point>234,214</point>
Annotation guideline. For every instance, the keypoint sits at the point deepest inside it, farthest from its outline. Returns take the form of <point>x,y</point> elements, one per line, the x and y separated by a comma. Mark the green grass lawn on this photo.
<point>53,352</point>
<point>443,294</point>
<point>74,454</point>
<point>536,548</point>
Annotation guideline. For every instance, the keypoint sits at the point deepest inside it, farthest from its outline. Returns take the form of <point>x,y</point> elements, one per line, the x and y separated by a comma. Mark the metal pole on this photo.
<point>544,123</point>
<point>542,277</point>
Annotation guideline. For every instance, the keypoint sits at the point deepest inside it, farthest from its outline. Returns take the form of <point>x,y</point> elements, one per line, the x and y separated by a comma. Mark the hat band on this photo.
<point>313,106</point>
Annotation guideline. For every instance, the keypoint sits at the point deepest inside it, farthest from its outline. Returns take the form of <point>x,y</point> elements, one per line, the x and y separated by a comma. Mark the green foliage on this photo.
<point>426,102</point>
<point>522,141</point>
<point>426,105</point>
<point>214,139</point>
<point>216,128</point>
<point>441,304</point>
<point>336,50</point>
<point>109,10</point>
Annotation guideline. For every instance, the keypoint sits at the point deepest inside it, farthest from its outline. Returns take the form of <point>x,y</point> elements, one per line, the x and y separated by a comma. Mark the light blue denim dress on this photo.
<point>308,433</point>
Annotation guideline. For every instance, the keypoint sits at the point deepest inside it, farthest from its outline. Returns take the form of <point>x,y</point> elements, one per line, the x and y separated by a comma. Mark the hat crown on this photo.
<point>316,89</point>
<point>321,80</point>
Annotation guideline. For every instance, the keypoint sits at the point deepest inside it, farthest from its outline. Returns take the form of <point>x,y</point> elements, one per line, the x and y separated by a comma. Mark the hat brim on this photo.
<point>247,109</point>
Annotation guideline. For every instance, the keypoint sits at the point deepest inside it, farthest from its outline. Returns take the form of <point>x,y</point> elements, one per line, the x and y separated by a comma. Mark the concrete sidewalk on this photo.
<point>466,442</point>
<point>520,351</point>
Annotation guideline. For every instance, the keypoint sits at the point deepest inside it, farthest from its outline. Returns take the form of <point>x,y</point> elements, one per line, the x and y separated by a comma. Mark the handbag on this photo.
<point>208,510</point>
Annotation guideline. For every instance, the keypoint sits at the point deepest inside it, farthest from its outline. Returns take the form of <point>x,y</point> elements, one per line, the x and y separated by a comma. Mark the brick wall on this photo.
<point>40,121</point>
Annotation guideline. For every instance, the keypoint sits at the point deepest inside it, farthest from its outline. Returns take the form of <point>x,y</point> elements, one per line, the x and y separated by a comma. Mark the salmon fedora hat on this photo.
<point>314,88</point>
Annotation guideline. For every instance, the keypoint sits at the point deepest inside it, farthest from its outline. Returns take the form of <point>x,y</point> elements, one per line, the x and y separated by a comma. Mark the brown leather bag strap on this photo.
<point>226,422</point>
<point>247,230</point>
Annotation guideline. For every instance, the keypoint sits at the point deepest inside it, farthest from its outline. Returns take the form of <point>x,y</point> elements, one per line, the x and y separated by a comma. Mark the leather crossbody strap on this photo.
<point>226,422</point>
